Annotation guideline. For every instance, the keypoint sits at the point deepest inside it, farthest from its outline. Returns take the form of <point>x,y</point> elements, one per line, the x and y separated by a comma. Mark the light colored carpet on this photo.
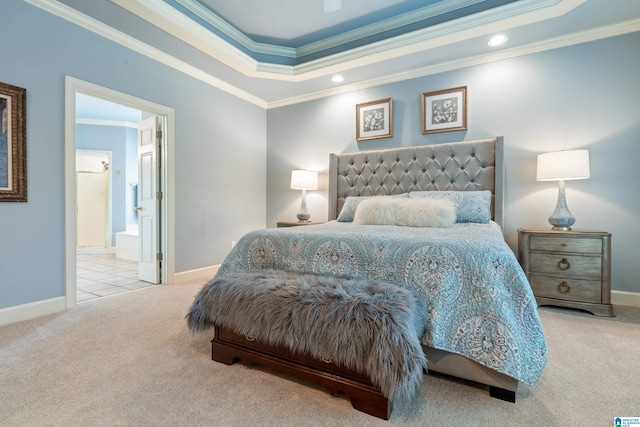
<point>129,360</point>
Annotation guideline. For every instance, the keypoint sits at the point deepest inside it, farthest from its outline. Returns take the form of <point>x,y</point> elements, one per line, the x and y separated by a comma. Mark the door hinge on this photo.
<point>159,195</point>
<point>159,256</point>
<point>159,134</point>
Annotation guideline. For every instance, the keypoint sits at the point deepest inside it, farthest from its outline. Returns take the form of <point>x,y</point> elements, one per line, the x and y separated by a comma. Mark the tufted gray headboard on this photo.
<point>458,166</point>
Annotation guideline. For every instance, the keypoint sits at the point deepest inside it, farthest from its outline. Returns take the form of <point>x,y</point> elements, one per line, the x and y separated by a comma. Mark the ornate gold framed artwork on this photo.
<point>13,143</point>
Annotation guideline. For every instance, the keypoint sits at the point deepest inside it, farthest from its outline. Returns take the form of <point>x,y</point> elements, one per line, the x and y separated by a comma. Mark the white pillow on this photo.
<point>406,212</point>
<point>352,202</point>
<point>426,213</point>
<point>376,210</point>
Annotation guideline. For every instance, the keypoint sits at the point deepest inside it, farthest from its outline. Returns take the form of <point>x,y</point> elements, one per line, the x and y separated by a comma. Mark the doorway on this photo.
<point>164,178</point>
<point>106,221</point>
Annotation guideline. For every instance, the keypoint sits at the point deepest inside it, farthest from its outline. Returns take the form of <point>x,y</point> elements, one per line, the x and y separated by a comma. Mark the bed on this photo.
<point>482,324</point>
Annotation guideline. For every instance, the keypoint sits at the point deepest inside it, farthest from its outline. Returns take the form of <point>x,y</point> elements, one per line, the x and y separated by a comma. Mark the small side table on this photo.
<point>568,268</point>
<point>296,223</point>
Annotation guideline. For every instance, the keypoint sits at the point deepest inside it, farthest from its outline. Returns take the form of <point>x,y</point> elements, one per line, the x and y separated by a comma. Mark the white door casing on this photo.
<point>148,201</point>
<point>167,226</point>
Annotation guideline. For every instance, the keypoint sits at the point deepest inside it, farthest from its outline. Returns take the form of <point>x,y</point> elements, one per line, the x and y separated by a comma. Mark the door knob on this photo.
<point>138,208</point>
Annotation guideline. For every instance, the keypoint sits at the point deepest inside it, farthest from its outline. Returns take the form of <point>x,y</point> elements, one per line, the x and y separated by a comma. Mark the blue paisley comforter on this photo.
<point>479,302</point>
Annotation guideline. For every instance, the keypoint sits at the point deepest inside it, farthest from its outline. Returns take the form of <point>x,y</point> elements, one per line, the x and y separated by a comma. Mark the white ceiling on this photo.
<point>279,52</point>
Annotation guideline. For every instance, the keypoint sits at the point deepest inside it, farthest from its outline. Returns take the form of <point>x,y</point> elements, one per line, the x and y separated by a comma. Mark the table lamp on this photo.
<point>304,180</point>
<point>562,166</point>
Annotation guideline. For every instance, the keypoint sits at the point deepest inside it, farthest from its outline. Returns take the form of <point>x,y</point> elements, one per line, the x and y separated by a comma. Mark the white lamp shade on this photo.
<point>304,180</point>
<point>570,164</point>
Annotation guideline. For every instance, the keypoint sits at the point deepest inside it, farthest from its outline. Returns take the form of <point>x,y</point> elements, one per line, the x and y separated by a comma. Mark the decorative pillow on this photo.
<point>351,203</point>
<point>471,206</point>
<point>425,213</point>
<point>376,210</point>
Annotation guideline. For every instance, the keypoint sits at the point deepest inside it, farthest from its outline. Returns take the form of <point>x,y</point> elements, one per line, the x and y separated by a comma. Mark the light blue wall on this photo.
<point>215,133</point>
<point>584,96</point>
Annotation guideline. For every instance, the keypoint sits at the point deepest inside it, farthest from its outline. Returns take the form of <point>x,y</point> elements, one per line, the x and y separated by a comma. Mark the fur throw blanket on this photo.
<point>371,326</point>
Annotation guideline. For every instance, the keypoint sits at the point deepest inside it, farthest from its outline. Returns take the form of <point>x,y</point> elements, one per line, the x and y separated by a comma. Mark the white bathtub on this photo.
<point>127,243</point>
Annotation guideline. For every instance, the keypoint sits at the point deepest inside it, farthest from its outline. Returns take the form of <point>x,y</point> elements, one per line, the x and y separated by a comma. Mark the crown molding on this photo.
<point>63,11</point>
<point>619,29</point>
<point>166,18</point>
<point>389,24</point>
<point>477,25</point>
<point>500,18</point>
<point>230,31</point>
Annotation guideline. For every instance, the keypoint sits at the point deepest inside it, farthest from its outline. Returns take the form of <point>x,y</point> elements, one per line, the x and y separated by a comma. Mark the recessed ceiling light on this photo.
<point>331,6</point>
<point>337,78</point>
<point>498,40</point>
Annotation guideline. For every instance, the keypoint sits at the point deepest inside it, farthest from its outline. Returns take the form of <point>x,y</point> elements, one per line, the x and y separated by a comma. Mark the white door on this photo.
<point>148,201</point>
<point>92,201</point>
<point>92,209</point>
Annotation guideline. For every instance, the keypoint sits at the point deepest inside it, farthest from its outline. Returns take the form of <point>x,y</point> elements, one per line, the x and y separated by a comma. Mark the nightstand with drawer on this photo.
<point>568,268</point>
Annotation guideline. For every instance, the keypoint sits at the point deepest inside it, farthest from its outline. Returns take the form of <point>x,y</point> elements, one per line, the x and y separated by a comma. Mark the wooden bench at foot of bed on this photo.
<point>300,324</point>
<point>228,347</point>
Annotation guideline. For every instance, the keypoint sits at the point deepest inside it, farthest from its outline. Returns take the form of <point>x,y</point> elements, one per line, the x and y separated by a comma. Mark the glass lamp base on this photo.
<point>561,218</point>
<point>303,214</point>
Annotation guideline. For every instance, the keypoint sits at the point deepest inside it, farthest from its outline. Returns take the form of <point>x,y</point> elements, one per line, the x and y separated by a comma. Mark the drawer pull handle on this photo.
<point>326,359</point>
<point>564,264</point>
<point>564,288</point>
<point>249,337</point>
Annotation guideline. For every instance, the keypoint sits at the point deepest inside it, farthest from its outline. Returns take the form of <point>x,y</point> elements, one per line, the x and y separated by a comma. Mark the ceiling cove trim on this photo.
<point>228,29</point>
<point>500,18</point>
<point>399,21</point>
<point>184,28</point>
<point>480,24</point>
<point>63,11</point>
<point>389,24</point>
<point>599,33</point>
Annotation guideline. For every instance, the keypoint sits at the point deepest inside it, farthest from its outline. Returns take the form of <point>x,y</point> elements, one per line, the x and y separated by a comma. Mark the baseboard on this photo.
<point>54,305</point>
<point>32,310</point>
<point>617,297</point>
<point>625,298</point>
<point>198,274</point>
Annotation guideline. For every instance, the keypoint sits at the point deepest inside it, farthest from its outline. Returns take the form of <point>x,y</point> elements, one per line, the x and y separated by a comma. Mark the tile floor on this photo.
<point>102,274</point>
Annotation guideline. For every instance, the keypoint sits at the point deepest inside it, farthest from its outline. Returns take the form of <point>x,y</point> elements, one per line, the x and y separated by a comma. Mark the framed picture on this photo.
<point>444,110</point>
<point>13,143</point>
<point>374,119</point>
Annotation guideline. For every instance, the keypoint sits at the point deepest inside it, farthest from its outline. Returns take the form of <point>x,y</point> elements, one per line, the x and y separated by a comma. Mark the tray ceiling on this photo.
<point>278,52</point>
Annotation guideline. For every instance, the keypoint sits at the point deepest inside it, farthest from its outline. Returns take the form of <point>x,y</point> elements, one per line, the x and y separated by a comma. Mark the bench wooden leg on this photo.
<point>502,394</point>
